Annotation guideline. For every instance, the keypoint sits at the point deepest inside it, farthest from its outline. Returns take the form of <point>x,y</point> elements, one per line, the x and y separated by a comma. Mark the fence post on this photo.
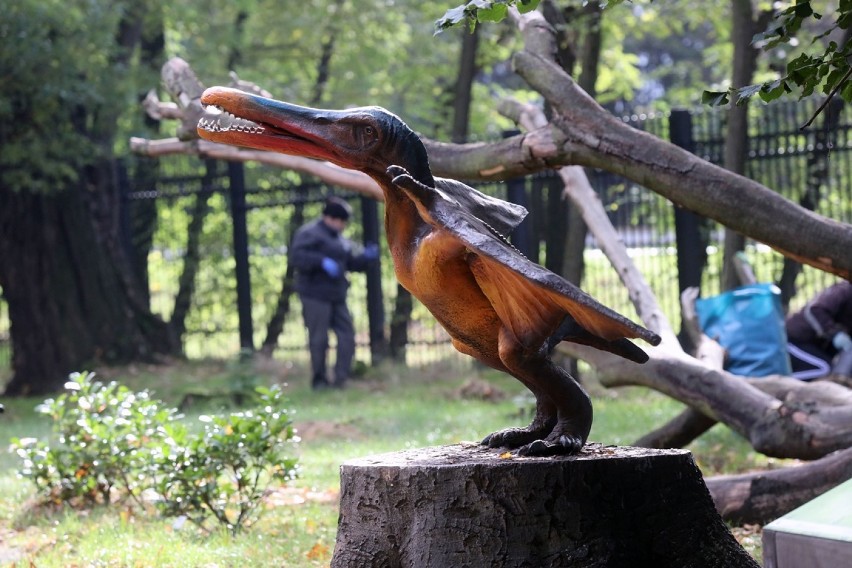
<point>691,246</point>
<point>516,192</point>
<point>375,301</point>
<point>236,178</point>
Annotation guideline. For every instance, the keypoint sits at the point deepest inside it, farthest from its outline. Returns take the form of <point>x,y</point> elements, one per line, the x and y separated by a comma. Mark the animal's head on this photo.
<point>368,139</point>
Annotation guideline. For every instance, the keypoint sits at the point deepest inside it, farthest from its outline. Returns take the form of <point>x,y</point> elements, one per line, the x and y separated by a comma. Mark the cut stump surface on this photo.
<point>467,505</point>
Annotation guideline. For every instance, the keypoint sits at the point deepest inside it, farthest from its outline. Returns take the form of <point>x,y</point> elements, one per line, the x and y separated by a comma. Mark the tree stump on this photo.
<point>466,505</point>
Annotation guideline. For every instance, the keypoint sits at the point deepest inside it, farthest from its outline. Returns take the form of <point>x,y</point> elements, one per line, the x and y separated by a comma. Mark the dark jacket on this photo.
<point>313,242</point>
<point>827,314</point>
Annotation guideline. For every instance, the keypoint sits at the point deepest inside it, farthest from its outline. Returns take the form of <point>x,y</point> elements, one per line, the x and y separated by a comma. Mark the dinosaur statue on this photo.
<point>449,250</point>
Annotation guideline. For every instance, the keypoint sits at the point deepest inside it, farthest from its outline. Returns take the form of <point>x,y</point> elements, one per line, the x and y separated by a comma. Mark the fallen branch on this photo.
<point>764,496</point>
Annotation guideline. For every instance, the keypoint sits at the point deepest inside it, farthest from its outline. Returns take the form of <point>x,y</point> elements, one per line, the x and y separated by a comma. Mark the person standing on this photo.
<point>322,256</point>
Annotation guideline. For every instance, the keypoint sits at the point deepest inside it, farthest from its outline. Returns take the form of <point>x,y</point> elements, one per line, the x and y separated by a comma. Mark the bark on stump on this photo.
<point>465,505</point>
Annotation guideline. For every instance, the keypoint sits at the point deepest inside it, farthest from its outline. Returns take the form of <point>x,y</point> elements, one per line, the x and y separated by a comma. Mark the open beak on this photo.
<point>238,118</point>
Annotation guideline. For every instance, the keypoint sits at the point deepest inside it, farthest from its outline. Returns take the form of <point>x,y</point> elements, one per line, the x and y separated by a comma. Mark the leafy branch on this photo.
<point>482,11</point>
<point>493,11</point>
<point>827,71</point>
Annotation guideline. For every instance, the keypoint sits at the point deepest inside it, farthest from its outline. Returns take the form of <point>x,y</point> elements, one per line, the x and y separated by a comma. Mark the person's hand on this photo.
<point>841,341</point>
<point>331,267</point>
<point>371,251</point>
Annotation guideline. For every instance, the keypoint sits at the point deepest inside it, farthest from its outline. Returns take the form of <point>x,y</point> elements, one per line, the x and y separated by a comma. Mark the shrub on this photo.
<point>103,439</point>
<point>112,443</point>
<point>223,472</point>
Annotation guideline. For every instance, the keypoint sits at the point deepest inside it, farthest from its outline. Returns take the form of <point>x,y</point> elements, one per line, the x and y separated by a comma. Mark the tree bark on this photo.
<point>192,258</point>
<point>736,133</point>
<point>72,300</point>
<point>464,85</point>
<point>764,496</point>
<point>71,290</point>
<point>467,505</point>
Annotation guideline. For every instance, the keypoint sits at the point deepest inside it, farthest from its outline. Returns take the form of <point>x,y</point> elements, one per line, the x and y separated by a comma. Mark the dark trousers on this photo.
<point>320,318</point>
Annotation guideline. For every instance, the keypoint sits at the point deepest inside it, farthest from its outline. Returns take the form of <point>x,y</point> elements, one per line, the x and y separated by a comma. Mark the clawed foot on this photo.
<point>561,446</point>
<point>514,437</point>
<point>537,442</point>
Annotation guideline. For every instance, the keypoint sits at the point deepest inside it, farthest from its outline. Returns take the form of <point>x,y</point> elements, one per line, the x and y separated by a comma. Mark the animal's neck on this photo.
<point>402,221</point>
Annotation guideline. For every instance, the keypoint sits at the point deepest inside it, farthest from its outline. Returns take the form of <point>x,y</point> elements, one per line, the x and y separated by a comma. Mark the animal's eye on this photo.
<point>369,131</point>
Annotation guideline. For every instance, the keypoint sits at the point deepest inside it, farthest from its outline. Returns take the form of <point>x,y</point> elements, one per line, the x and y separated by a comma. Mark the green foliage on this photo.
<point>65,82</point>
<point>223,472</point>
<point>825,69</point>
<point>112,443</point>
<point>103,436</point>
<point>482,11</point>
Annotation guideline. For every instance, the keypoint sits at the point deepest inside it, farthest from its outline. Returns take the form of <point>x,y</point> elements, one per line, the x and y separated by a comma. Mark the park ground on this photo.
<point>387,409</point>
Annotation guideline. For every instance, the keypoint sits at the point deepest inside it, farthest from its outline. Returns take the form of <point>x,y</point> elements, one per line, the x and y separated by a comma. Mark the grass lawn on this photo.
<point>387,410</point>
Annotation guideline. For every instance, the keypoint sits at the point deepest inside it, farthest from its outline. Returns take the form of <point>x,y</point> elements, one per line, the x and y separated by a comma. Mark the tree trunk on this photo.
<point>326,52</point>
<point>192,258</point>
<point>736,135</point>
<point>72,299</point>
<point>467,505</point>
<point>399,324</point>
<point>464,85</point>
<point>282,308</point>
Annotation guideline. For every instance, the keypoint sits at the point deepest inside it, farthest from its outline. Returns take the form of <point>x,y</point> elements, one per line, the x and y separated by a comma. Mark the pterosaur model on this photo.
<point>449,250</point>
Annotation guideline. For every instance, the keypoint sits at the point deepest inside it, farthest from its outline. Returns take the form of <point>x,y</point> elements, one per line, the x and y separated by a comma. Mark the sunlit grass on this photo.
<point>389,409</point>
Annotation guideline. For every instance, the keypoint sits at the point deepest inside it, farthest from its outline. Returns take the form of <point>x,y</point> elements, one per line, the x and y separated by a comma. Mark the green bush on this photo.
<point>223,472</point>
<point>103,439</point>
<point>112,444</point>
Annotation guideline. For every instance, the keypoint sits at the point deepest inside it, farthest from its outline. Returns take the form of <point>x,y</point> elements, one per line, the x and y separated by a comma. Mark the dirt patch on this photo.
<point>290,496</point>
<point>479,389</point>
<point>327,430</point>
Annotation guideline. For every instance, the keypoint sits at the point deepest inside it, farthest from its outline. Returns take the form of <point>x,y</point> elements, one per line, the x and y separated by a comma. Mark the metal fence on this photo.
<point>810,166</point>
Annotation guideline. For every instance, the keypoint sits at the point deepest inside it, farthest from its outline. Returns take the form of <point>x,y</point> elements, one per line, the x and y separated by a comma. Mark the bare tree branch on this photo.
<point>329,173</point>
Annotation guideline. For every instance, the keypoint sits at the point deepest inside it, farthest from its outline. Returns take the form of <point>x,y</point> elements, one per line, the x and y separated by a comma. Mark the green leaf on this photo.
<point>525,6</point>
<point>773,90</point>
<point>846,92</point>
<point>714,98</point>
<point>495,13</point>
<point>482,11</point>
<point>747,92</point>
<point>452,17</point>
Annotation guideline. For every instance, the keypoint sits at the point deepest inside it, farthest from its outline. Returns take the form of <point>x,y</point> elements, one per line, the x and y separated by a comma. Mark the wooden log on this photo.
<point>763,496</point>
<point>466,505</point>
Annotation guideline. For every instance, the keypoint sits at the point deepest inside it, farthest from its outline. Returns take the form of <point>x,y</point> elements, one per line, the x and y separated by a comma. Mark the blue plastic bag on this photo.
<point>749,323</point>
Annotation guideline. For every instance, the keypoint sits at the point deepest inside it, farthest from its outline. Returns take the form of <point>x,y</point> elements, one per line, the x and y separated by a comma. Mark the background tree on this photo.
<point>746,23</point>
<point>72,294</point>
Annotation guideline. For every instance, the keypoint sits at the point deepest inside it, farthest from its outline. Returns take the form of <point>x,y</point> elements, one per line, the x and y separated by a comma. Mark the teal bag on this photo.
<point>749,323</point>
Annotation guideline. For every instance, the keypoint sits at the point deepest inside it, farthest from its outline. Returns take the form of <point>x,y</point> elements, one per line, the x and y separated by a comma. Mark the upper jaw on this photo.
<point>243,119</point>
<point>217,119</point>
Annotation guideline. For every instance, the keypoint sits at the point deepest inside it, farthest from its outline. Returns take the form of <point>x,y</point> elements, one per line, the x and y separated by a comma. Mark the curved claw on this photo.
<point>510,438</point>
<point>400,176</point>
<point>540,428</point>
<point>563,446</point>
